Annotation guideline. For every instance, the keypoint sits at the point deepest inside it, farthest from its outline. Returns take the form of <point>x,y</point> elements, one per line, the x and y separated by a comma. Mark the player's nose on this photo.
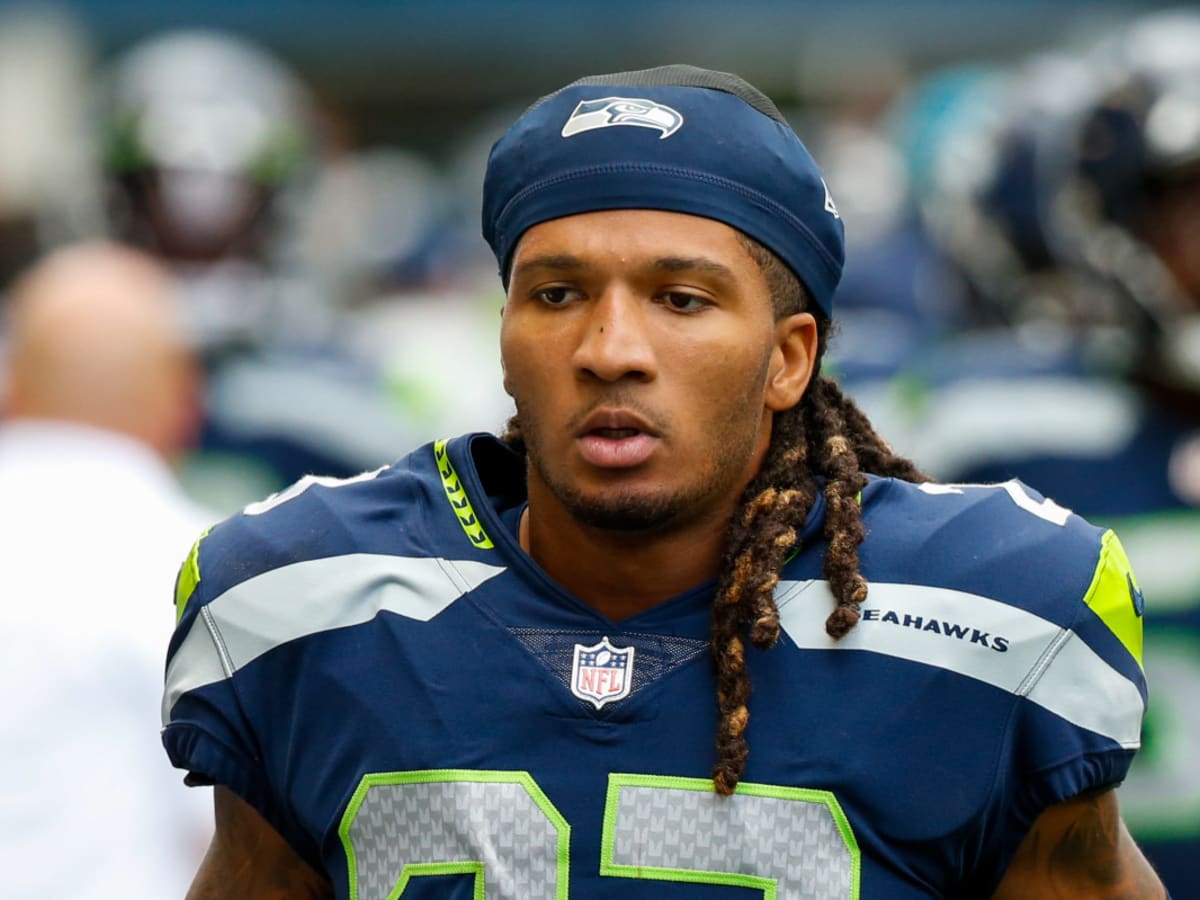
<point>615,343</point>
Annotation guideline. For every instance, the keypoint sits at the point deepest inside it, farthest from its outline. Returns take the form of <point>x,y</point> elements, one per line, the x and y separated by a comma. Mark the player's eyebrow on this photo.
<point>567,262</point>
<point>694,264</point>
<point>555,262</point>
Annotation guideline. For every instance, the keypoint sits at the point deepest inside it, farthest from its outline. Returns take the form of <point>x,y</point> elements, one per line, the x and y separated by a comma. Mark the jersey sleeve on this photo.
<point>1081,723</point>
<point>204,730</point>
<point>1062,611</point>
<point>1077,722</point>
<point>209,729</point>
<point>246,605</point>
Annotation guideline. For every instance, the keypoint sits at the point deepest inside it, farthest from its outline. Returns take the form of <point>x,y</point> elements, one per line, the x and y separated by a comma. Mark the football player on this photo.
<point>497,667</point>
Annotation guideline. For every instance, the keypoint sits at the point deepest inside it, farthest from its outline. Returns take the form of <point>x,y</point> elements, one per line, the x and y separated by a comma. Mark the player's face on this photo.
<point>1172,228</point>
<point>645,359</point>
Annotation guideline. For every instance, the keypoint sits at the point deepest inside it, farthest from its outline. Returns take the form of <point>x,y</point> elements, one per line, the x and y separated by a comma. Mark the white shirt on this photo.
<point>92,531</point>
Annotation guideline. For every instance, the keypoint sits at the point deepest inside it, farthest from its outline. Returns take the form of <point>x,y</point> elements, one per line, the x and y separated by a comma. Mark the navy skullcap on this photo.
<point>674,138</point>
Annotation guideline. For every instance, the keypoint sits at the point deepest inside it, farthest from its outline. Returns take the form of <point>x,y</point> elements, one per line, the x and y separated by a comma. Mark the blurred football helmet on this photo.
<point>207,148</point>
<point>981,187</point>
<point>201,131</point>
<point>1126,211</point>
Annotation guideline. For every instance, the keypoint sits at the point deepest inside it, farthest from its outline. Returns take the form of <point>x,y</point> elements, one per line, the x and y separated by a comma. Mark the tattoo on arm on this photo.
<point>248,860</point>
<point>1088,848</point>
<point>1081,849</point>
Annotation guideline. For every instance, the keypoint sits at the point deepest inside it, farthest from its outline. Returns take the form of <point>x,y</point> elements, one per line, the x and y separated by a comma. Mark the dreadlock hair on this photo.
<point>825,443</point>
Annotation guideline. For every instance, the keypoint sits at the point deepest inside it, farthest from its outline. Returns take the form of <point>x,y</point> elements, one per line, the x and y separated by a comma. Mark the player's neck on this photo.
<point>620,575</point>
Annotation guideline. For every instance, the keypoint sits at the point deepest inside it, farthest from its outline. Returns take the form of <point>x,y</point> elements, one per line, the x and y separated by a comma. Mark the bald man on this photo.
<point>101,392</point>
<point>94,341</point>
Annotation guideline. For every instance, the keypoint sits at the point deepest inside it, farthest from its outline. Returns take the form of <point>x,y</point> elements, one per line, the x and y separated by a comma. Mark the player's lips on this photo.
<point>616,439</point>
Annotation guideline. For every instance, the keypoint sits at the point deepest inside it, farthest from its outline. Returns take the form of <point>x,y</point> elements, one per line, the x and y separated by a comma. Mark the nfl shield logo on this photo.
<point>601,673</point>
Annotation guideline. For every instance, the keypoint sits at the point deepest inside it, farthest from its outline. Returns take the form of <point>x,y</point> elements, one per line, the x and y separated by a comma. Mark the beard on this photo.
<point>644,510</point>
<point>618,510</point>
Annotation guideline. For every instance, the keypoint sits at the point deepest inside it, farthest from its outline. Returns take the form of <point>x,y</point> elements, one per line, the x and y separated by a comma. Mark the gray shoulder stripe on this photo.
<point>195,663</point>
<point>309,597</point>
<point>462,582</point>
<point>1030,681</point>
<point>958,631</point>
<point>214,634</point>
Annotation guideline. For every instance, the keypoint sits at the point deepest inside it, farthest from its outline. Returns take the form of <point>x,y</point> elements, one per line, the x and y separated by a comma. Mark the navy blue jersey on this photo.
<point>379,669</point>
<point>1128,462</point>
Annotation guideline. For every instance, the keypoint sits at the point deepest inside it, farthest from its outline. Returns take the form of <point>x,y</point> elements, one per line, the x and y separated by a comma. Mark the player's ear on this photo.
<point>503,365</point>
<point>504,375</point>
<point>793,358</point>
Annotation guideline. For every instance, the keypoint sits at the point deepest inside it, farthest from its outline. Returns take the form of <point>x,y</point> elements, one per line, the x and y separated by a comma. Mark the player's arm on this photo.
<point>248,860</point>
<point>1080,848</point>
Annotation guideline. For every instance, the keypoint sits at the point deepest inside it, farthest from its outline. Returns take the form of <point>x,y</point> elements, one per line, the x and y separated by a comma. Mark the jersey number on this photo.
<point>1045,509</point>
<point>500,828</point>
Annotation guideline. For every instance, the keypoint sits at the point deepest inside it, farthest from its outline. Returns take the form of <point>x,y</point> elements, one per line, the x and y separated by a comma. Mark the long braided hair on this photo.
<point>824,438</point>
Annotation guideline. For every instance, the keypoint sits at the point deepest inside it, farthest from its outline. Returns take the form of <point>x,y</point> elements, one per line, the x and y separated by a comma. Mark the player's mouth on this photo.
<point>616,439</point>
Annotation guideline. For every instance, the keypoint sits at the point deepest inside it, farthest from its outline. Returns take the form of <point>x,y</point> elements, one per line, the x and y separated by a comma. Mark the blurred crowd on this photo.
<point>1021,299</point>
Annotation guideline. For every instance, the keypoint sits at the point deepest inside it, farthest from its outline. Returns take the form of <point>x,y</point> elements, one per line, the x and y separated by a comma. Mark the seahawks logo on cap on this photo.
<point>830,206</point>
<point>610,111</point>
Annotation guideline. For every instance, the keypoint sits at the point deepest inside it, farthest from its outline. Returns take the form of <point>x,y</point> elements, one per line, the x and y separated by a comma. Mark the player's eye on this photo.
<point>683,302</point>
<point>556,296</point>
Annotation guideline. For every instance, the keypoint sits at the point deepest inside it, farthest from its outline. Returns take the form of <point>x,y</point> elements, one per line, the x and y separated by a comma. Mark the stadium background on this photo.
<point>419,71</point>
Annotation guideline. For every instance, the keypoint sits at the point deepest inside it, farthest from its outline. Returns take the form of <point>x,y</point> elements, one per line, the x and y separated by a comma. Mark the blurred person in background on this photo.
<point>102,396</point>
<point>1094,389</point>
<point>905,290</point>
<point>45,188</point>
<point>421,306</point>
<point>890,306</point>
<point>210,152</point>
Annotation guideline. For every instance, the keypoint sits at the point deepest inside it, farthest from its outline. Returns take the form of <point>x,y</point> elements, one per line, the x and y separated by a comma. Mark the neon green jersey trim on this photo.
<point>188,578</point>
<point>1115,597</point>
<point>458,498</point>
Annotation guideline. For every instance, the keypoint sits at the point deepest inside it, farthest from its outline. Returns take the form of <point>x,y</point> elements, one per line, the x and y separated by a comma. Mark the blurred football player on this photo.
<point>209,153</point>
<point>1107,413</point>
<point>44,174</point>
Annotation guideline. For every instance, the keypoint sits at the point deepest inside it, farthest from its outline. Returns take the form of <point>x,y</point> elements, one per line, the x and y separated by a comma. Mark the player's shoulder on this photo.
<point>1005,507</point>
<point>316,516</point>
<point>1003,541</point>
<point>996,581</point>
<point>998,585</point>
<point>402,510</point>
